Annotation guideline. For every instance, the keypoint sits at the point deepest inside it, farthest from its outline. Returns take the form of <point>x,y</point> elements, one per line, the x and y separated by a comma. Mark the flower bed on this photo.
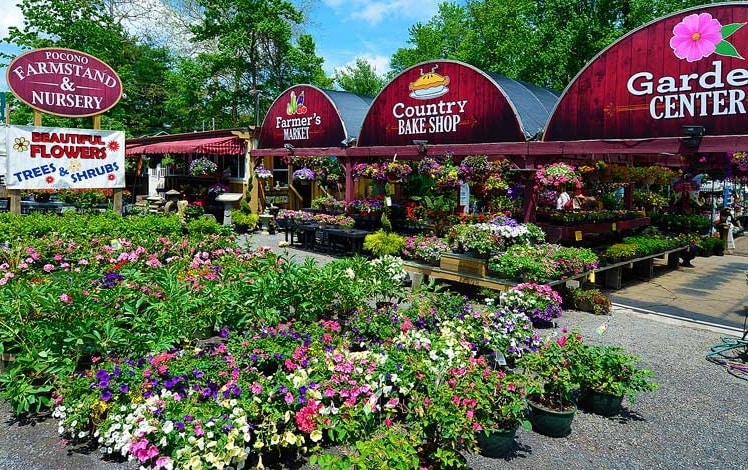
<point>300,359</point>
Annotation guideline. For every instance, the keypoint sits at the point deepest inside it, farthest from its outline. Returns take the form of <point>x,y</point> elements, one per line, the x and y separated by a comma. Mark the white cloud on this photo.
<point>380,63</point>
<point>11,16</point>
<point>374,12</point>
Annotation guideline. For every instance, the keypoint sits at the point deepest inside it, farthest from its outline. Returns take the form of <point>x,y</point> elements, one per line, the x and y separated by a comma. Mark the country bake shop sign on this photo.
<point>64,82</point>
<point>429,117</point>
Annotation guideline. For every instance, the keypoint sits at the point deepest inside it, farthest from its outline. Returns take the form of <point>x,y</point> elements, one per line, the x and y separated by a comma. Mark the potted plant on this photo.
<point>395,171</point>
<point>304,175</point>
<point>382,243</point>
<point>557,175</point>
<point>424,247</point>
<point>539,302</point>
<point>607,375</point>
<point>500,408</point>
<point>263,173</point>
<point>555,373</point>
<point>203,167</point>
<point>589,300</point>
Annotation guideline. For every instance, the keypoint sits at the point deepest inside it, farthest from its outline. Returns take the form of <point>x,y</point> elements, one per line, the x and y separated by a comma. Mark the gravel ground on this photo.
<point>697,419</point>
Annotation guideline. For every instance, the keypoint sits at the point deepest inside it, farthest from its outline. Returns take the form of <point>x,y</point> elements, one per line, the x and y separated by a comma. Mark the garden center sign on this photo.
<point>53,158</point>
<point>64,82</point>
<point>687,69</point>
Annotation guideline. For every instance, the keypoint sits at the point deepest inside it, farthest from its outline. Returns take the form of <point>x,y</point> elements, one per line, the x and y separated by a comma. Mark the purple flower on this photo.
<point>124,388</point>
<point>106,396</point>
<point>102,375</point>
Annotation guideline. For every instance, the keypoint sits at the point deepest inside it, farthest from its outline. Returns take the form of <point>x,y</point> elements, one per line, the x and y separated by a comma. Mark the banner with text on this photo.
<point>57,158</point>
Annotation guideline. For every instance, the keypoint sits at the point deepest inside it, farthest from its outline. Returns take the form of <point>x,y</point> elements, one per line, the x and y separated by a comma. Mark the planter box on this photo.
<point>463,264</point>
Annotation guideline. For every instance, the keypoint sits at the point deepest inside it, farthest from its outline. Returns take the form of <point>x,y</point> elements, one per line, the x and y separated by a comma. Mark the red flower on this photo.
<point>50,179</point>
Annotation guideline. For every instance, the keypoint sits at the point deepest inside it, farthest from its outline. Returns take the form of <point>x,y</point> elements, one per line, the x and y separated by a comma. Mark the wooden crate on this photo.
<point>463,264</point>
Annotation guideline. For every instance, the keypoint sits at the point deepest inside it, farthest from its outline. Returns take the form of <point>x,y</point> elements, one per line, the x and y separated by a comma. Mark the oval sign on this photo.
<point>64,82</point>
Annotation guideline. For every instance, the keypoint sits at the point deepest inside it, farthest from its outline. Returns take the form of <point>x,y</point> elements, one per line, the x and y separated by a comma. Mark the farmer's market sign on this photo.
<point>64,82</point>
<point>56,158</point>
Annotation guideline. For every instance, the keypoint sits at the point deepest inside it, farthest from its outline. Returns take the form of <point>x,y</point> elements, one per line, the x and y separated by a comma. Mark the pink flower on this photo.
<point>696,37</point>
<point>66,299</point>
<point>256,388</point>
<point>562,341</point>
<point>288,398</point>
<point>48,268</point>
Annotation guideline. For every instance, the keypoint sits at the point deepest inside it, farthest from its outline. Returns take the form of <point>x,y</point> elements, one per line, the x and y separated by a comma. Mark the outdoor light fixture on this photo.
<point>290,148</point>
<point>421,145</point>
<point>348,142</point>
<point>692,135</point>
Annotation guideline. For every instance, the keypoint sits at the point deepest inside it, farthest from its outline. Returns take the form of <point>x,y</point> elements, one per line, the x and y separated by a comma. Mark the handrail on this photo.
<point>297,197</point>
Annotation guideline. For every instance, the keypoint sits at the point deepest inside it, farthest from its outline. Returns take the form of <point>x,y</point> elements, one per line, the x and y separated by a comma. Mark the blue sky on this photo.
<point>342,29</point>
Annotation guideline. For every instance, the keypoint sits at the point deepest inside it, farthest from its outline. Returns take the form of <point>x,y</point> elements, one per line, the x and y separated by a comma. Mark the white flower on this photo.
<point>350,273</point>
<point>167,427</point>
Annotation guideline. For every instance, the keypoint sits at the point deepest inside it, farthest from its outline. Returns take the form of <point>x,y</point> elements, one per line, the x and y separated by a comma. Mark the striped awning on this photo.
<point>210,146</point>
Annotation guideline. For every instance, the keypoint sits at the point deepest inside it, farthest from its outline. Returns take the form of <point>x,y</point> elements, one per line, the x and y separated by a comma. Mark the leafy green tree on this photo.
<point>440,38</point>
<point>360,79</point>
<point>542,42</point>
<point>253,50</point>
<point>93,27</point>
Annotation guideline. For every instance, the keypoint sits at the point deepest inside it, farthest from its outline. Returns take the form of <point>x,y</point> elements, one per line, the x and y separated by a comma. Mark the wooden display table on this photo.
<point>555,233</point>
<point>455,268</point>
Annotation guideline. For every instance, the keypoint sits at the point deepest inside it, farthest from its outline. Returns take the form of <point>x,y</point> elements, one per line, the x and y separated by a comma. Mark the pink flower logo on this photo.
<point>701,35</point>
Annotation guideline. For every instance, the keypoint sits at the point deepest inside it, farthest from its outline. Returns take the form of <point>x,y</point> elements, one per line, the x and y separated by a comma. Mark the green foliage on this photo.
<point>361,78</point>
<point>381,243</point>
<point>608,369</point>
<point>544,43</point>
<point>681,223</point>
<point>247,222</point>
<point>206,225</point>
<point>588,299</point>
<point>710,243</point>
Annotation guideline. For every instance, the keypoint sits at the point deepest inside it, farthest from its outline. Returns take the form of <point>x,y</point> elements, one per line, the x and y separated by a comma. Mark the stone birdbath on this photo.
<point>228,200</point>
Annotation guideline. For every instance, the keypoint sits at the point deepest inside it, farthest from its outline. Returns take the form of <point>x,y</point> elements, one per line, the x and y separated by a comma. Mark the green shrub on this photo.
<point>206,225</point>
<point>244,221</point>
<point>382,243</point>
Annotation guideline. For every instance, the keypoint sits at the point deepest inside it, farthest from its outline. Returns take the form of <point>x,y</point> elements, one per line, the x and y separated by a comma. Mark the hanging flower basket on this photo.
<point>557,175</point>
<point>203,167</point>
<point>304,176</point>
<point>263,173</point>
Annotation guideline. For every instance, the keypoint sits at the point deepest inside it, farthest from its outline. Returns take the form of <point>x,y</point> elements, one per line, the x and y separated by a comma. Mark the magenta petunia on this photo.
<point>696,37</point>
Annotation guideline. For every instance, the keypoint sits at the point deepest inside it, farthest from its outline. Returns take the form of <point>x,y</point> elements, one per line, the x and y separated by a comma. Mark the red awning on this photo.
<point>212,146</point>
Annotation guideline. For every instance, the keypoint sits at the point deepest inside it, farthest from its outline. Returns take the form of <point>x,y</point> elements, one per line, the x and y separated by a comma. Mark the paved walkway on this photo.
<point>712,292</point>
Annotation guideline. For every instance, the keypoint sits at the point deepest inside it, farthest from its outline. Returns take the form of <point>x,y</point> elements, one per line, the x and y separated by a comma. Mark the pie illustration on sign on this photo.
<point>429,85</point>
